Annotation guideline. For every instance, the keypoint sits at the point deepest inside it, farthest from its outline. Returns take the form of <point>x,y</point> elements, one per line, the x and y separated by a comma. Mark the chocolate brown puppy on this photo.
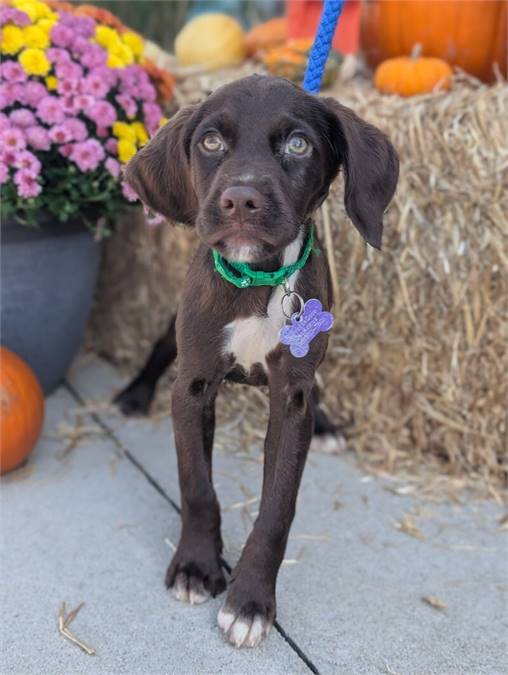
<point>247,168</point>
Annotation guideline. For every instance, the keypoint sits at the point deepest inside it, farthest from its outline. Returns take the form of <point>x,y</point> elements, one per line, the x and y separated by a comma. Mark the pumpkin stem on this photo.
<point>416,52</point>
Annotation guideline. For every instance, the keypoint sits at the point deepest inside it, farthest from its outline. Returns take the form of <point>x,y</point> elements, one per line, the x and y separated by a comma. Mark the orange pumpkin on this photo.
<point>21,410</point>
<point>465,33</point>
<point>411,75</point>
<point>266,35</point>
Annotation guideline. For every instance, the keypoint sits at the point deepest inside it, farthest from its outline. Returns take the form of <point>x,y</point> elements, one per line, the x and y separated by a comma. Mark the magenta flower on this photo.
<point>88,154</point>
<point>4,173</point>
<point>82,102</point>
<point>66,150</point>
<point>38,138</point>
<point>27,184</point>
<point>11,71</point>
<point>4,122</point>
<point>152,114</point>
<point>147,93</point>
<point>50,110</point>
<point>82,25</point>
<point>28,162</point>
<point>67,86</point>
<point>8,157</point>
<point>34,92</point>
<point>15,16</point>
<point>22,118</point>
<point>128,104</point>
<point>14,92</point>
<point>129,193</point>
<point>3,98</point>
<point>106,75</point>
<point>61,35</point>
<point>94,56</point>
<point>113,167</point>
<point>95,86</point>
<point>111,146</point>
<point>13,140</point>
<point>102,113</point>
<point>56,55</point>
<point>68,70</point>
<point>60,134</point>
<point>77,129</point>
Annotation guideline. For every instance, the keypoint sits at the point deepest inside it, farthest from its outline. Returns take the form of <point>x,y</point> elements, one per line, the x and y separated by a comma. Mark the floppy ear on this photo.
<point>160,174</point>
<point>371,167</point>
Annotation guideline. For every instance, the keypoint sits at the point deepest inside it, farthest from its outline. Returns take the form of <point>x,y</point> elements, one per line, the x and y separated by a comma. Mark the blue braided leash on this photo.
<point>322,45</point>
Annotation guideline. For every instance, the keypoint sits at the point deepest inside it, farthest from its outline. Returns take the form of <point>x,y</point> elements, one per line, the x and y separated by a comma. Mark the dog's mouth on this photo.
<point>242,243</point>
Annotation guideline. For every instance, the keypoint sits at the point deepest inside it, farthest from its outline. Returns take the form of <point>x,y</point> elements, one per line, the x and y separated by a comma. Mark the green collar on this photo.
<point>242,275</point>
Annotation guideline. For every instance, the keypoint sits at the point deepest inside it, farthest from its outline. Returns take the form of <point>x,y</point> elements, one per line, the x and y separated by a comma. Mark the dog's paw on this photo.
<point>245,621</point>
<point>135,399</point>
<point>194,582</point>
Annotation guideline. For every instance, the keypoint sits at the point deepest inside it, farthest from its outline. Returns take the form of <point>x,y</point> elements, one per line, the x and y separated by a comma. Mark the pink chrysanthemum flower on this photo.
<point>22,118</point>
<point>11,71</point>
<point>95,86</point>
<point>50,110</point>
<point>38,138</point>
<point>12,140</point>
<point>128,104</point>
<point>15,16</point>
<point>60,134</point>
<point>27,184</point>
<point>4,173</point>
<point>88,154</point>
<point>77,129</point>
<point>34,93</point>
<point>61,35</point>
<point>102,113</point>
<point>28,162</point>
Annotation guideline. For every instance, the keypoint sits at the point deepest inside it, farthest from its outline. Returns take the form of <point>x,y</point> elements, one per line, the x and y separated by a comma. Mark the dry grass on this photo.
<point>416,368</point>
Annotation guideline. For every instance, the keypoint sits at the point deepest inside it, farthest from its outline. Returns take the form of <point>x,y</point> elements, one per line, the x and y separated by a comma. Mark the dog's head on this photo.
<point>252,162</point>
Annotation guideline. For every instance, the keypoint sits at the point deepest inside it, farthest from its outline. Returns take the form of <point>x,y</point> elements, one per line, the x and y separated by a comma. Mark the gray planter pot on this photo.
<point>48,278</point>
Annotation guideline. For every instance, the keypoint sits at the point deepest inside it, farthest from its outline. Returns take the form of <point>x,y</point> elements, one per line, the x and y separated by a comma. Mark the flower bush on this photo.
<point>76,104</point>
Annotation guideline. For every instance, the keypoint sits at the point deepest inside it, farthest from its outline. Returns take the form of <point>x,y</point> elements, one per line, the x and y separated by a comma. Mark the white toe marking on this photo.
<point>328,444</point>
<point>239,632</point>
<point>179,590</point>
<point>258,629</point>
<point>225,619</point>
<point>198,596</point>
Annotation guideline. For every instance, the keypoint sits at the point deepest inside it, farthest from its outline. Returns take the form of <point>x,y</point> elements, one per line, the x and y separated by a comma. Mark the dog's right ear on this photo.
<point>160,173</point>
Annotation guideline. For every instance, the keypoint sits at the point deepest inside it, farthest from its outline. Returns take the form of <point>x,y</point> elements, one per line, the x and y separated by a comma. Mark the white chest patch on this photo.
<point>250,340</point>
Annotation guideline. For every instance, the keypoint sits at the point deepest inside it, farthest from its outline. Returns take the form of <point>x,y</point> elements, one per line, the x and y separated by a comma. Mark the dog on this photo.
<point>248,167</point>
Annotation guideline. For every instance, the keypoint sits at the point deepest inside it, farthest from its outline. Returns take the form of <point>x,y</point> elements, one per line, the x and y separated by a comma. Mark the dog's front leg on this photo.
<point>195,572</point>
<point>249,609</point>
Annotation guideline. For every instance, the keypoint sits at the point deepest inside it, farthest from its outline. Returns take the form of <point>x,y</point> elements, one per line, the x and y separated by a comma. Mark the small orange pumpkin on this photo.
<point>411,75</point>
<point>290,61</point>
<point>21,410</point>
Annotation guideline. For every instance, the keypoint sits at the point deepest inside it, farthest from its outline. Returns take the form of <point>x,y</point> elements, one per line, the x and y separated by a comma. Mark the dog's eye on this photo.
<point>297,145</point>
<point>212,143</point>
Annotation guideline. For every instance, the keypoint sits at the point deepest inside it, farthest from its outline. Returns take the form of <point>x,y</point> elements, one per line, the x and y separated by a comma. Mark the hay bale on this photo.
<point>416,368</point>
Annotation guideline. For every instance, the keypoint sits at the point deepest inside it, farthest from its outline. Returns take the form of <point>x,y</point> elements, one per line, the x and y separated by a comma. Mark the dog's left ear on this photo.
<point>371,167</point>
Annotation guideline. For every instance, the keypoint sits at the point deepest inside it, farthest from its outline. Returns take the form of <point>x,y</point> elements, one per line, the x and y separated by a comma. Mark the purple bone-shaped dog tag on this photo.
<point>303,330</point>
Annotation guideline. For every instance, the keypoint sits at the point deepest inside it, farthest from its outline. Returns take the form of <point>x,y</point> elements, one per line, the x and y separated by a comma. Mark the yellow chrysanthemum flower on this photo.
<point>114,61</point>
<point>46,24</point>
<point>126,150</point>
<point>36,37</point>
<point>124,131</point>
<point>125,54</point>
<point>107,37</point>
<point>133,41</point>
<point>51,82</point>
<point>34,62</point>
<point>140,131</point>
<point>12,40</point>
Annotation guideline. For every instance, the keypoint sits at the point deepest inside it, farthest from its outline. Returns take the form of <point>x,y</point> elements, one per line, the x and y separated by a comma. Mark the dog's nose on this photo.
<point>241,201</point>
